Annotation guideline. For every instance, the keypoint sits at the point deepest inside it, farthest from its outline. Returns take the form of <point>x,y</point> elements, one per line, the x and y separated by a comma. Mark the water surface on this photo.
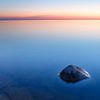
<point>32,53</point>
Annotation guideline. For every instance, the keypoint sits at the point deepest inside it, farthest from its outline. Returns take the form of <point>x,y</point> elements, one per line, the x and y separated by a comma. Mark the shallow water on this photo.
<point>32,53</point>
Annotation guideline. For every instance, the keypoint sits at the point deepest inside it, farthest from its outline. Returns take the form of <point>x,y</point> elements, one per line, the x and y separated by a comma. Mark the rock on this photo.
<point>73,73</point>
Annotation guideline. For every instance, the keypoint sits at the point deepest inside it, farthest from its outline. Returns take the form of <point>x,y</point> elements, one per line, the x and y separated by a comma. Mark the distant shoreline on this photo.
<point>49,18</point>
<point>46,19</point>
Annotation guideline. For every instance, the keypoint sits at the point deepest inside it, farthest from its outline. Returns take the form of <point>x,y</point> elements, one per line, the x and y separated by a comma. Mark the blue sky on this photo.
<point>49,7</point>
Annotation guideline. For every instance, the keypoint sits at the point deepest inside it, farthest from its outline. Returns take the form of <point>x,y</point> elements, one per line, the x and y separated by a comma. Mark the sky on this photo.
<point>50,8</point>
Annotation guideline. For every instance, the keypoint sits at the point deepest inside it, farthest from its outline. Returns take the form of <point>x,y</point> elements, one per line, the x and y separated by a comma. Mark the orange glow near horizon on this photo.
<point>50,9</point>
<point>39,28</point>
<point>54,13</point>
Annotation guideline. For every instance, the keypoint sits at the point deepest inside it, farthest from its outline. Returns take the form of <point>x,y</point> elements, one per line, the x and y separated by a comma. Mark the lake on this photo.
<point>33,52</point>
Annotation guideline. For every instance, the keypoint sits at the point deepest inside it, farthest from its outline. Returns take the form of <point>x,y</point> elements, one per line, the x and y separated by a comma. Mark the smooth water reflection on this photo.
<point>29,66</point>
<point>51,28</point>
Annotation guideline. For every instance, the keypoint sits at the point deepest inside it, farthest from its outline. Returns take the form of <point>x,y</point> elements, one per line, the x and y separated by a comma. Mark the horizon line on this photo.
<point>48,17</point>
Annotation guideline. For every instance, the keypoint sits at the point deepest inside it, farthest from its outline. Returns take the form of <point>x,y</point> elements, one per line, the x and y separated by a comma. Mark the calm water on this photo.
<point>32,53</point>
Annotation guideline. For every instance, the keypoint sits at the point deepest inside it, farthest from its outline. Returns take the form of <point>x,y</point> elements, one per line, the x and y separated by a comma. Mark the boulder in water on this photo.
<point>73,73</point>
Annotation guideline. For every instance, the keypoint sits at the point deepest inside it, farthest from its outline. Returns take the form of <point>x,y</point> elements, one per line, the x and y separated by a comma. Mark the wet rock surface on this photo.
<point>73,74</point>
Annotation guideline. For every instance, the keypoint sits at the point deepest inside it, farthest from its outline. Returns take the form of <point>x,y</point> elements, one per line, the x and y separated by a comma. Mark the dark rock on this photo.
<point>73,73</point>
